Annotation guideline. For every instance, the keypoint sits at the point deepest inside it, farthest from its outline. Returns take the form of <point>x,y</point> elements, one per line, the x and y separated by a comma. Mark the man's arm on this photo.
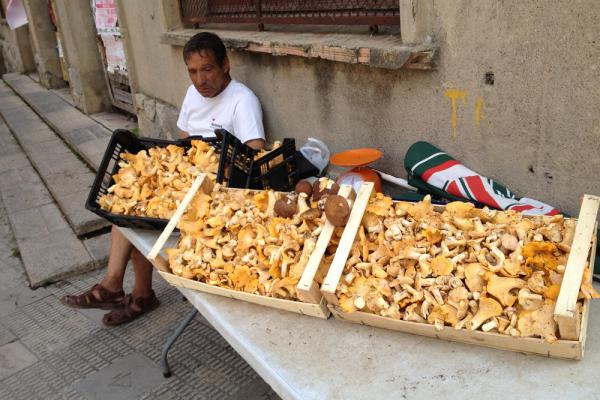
<point>256,144</point>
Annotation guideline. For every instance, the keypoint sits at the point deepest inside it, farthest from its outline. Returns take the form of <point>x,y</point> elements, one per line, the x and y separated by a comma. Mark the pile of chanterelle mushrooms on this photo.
<point>254,241</point>
<point>152,183</point>
<point>464,267</point>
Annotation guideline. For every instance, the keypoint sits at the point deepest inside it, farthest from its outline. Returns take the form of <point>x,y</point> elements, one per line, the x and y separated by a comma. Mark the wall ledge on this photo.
<point>375,51</point>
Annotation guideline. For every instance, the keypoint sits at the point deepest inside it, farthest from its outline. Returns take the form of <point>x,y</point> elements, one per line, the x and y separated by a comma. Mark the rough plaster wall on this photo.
<point>539,127</point>
<point>159,68</point>
<point>10,44</point>
<point>85,67</point>
<point>15,47</point>
<point>10,56</point>
<point>44,45</point>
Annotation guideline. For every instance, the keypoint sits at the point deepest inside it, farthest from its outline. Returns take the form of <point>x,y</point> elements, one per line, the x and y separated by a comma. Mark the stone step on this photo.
<point>67,177</point>
<point>47,245</point>
<point>109,120</point>
<point>85,135</point>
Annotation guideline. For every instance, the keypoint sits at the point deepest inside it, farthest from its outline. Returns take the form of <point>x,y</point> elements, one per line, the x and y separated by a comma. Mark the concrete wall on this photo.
<point>15,48</point>
<point>79,43</point>
<point>44,44</point>
<point>535,129</point>
<point>156,72</point>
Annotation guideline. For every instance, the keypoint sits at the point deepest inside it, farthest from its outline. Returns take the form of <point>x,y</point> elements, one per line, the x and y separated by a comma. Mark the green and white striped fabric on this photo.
<point>437,169</point>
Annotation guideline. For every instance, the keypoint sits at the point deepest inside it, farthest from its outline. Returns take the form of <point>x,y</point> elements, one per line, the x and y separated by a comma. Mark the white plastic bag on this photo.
<point>317,152</point>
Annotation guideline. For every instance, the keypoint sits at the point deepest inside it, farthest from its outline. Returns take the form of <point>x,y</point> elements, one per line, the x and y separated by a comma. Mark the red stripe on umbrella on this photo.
<point>445,165</point>
<point>478,190</point>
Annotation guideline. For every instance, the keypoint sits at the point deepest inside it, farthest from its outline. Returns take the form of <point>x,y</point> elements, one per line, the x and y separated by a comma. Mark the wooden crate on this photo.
<point>312,302</point>
<point>572,325</point>
<point>318,310</point>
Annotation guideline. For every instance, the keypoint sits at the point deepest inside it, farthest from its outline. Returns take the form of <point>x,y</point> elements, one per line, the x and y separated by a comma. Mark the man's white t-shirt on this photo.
<point>235,109</point>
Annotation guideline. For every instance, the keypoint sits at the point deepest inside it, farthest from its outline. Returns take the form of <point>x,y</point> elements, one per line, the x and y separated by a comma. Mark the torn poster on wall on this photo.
<point>105,16</point>
<point>15,14</point>
<point>107,26</point>
<point>115,54</point>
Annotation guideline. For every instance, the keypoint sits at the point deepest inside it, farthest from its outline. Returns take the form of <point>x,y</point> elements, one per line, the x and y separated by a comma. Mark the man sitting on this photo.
<point>213,101</point>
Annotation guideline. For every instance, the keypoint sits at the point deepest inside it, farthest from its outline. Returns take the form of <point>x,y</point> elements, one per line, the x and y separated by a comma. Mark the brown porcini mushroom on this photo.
<point>337,210</point>
<point>324,186</point>
<point>285,207</point>
<point>304,187</point>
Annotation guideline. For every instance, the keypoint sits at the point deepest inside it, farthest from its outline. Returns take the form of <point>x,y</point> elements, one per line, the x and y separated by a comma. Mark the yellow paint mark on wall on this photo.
<point>455,94</point>
<point>479,114</point>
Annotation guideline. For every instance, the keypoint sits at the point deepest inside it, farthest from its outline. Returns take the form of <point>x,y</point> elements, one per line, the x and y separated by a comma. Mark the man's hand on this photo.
<point>256,144</point>
<point>183,134</point>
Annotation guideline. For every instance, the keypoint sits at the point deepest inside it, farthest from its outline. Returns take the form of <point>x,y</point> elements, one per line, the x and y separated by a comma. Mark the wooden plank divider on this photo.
<point>341,255</point>
<point>566,311</point>
<point>307,288</point>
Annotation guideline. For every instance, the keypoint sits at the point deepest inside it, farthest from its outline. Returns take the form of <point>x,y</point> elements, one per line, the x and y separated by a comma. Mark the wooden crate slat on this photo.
<point>314,310</point>
<point>585,314</point>
<point>307,287</point>
<point>569,290</point>
<point>560,349</point>
<point>200,181</point>
<point>341,255</point>
<point>122,96</point>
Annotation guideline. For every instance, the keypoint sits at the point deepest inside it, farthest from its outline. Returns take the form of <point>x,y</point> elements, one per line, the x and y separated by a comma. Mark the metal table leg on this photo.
<point>164,363</point>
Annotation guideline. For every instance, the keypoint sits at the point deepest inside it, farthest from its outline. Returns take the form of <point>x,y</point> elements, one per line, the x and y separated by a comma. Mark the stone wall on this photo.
<point>515,95</point>
<point>156,118</point>
<point>78,39</point>
<point>44,44</point>
<point>15,49</point>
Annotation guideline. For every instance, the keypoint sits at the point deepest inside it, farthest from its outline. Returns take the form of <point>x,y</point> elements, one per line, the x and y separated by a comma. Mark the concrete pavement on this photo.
<point>80,131</point>
<point>48,351</point>
<point>67,177</point>
<point>47,244</point>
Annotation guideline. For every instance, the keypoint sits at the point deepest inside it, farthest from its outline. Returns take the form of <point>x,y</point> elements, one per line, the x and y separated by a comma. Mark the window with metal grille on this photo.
<point>330,12</point>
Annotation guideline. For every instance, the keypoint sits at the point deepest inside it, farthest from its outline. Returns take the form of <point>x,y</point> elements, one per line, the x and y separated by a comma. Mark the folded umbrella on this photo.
<point>429,168</point>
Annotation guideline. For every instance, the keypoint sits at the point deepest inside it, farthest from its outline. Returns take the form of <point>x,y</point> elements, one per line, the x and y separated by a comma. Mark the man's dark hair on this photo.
<point>205,41</point>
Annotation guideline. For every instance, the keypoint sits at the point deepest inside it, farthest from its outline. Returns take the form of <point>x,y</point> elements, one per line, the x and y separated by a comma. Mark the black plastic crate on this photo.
<point>237,166</point>
<point>124,140</point>
<point>276,170</point>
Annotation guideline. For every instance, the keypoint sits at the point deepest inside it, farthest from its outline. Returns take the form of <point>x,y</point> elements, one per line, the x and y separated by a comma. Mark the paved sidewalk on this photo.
<point>48,351</point>
<point>49,248</point>
<point>84,134</point>
<point>67,177</point>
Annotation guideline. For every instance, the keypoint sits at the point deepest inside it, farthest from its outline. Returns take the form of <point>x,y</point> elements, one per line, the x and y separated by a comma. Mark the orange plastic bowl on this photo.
<point>356,157</point>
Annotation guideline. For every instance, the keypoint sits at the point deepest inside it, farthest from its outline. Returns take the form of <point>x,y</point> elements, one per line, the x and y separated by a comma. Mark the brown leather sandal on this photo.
<point>127,313</point>
<point>96,297</point>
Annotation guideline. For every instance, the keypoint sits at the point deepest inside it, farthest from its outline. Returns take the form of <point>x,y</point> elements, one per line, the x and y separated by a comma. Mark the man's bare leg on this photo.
<point>118,256</point>
<point>109,293</point>
<point>143,275</point>
<point>142,299</point>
